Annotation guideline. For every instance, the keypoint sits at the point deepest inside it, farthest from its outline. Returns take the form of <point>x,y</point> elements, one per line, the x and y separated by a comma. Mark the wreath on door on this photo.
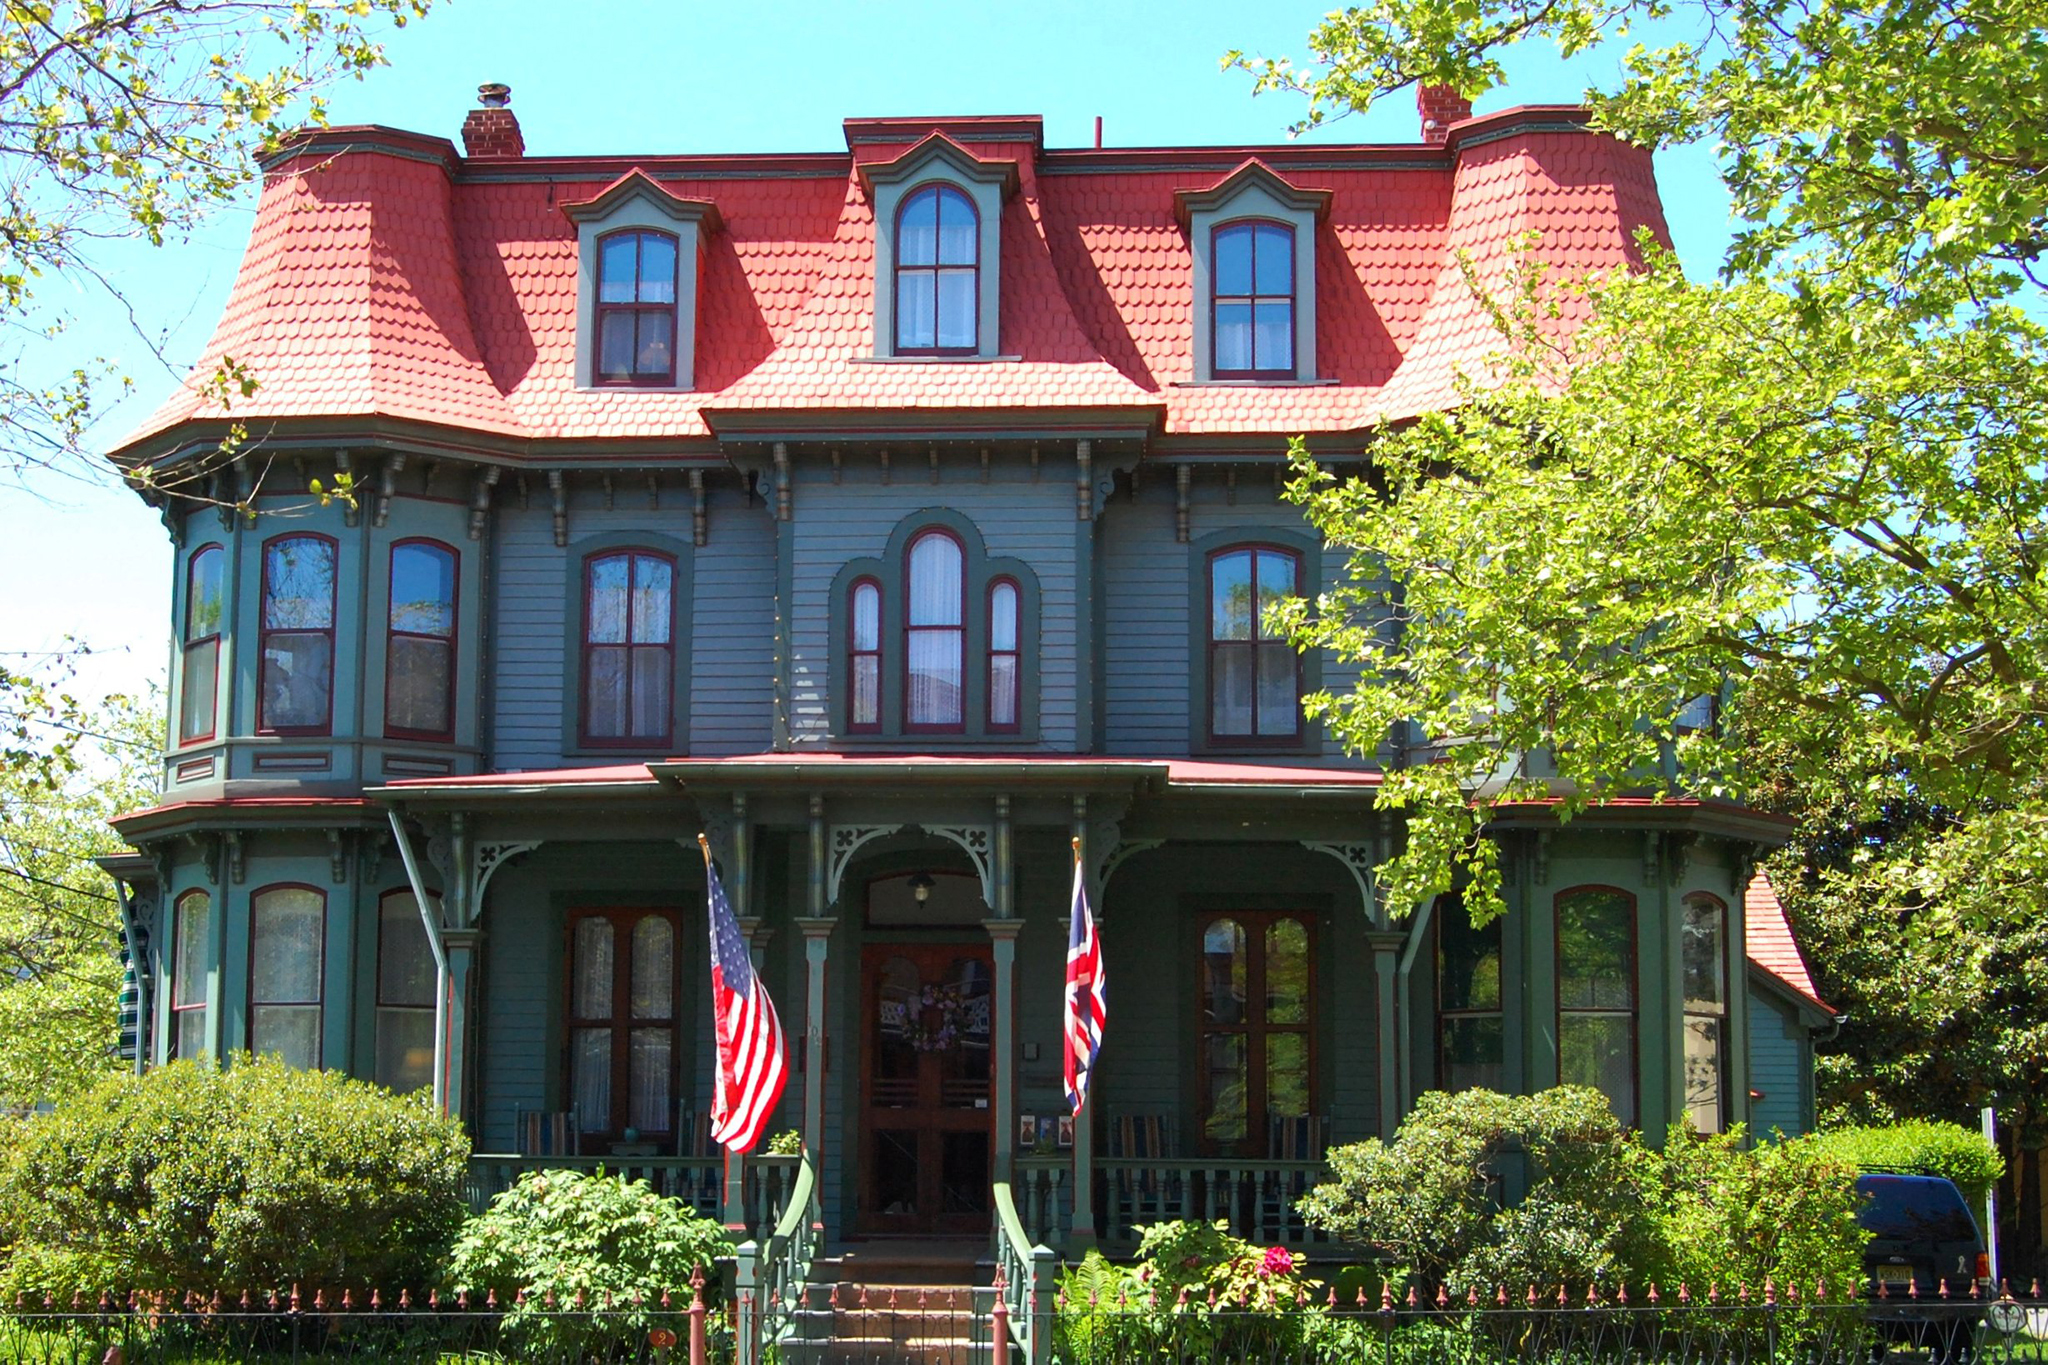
<point>934,1018</point>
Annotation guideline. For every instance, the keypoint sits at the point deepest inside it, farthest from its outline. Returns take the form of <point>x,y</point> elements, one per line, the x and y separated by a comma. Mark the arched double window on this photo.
<point>938,265</point>
<point>636,309</point>
<point>419,644</point>
<point>1252,298</point>
<point>296,696</point>
<point>199,669</point>
<point>629,614</point>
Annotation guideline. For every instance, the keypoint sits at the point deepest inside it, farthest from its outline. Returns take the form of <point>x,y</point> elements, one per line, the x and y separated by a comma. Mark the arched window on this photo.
<point>1254,674</point>
<point>628,649</point>
<point>1257,1024</point>
<point>938,255</point>
<point>419,648</point>
<point>636,309</point>
<point>297,693</point>
<point>1002,655</point>
<point>864,656</point>
<point>199,672</point>
<point>1703,953</point>
<point>405,995</point>
<point>1596,994</point>
<point>287,956</point>
<point>934,634</point>
<point>1471,1043</point>
<point>622,1022</point>
<point>1252,296</point>
<point>191,950</point>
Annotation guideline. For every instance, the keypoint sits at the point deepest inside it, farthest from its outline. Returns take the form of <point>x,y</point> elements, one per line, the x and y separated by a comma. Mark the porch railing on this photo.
<point>699,1182</point>
<point>1023,1281</point>
<point>1256,1198</point>
<point>770,1278</point>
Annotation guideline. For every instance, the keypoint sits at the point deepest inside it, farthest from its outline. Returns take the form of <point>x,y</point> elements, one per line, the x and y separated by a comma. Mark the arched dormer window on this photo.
<point>935,634</point>
<point>1252,301</point>
<point>636,309</point>
<point>938,267</point>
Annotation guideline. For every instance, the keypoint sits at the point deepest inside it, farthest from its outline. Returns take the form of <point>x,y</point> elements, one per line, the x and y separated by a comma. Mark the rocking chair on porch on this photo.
<point>1144,1196</point>
<point>540,1133</point>
<point>1297,1138</point>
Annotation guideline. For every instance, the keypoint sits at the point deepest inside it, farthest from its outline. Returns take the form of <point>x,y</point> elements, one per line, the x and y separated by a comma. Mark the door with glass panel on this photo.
<point>621,1036</point>
<point>926,1119</point>
<point>1255,1065</point>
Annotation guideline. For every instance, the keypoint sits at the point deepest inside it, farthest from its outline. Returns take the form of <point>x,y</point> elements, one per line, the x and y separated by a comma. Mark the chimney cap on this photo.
<point>494,95</point>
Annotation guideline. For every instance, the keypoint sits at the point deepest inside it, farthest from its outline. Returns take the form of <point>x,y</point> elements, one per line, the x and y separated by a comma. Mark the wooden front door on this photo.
<point>927,1075</point>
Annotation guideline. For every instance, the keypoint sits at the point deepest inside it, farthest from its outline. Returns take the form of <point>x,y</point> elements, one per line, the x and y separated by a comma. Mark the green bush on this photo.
<point>598,1238</point>
<point>1922,1147</point>
<point>253,1177</point>
<point>1597,1209</point>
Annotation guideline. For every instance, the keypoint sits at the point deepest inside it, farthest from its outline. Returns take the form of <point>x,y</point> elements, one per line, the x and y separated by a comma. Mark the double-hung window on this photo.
<point>1252,295</point>
<point>1003,659</point>
<point>864,657</point>
<point>623,987</point>
<point>296,696</point>
<point>636,309</point>
<point>1596,994</point>
<point>938,260</point>
<point>405,995</point>
<point>199,670</point>
<point>628,649</point>
<point>419,645</point>
<point>190,950</point>
<point>1471,1042</point>
<point>287,955</point>
<point>1256,995</point>
<point>1254,673</point>
<point>935,634</point>
<point>1704,960</point>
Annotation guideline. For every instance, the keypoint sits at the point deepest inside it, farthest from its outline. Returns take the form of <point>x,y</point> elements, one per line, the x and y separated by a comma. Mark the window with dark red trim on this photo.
<point>864,656</point>
<point>287,956</point>
<point>938,273</point>
<point>1256,994</point>
<point>935,633</point>
<point>636,309</point>
<point>405,995</point>
<point>1004,669</point>
<point>1703,956</point>
<point>191,947</point>
<point>1254,673</point>
<point>1596,994</point>
<point>1252,301</point>
<point>624,981</point>
<point>199,668</point>
<point>296,696</point>
<point>419,644</point>
<point>628,649</point>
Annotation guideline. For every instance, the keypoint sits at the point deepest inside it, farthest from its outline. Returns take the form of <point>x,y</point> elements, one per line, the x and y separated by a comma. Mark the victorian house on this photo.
<point>894,515</point>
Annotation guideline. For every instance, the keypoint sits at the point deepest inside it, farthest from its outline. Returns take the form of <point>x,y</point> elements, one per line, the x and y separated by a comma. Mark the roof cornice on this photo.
<point>966,128</point>
<point>354,138</point>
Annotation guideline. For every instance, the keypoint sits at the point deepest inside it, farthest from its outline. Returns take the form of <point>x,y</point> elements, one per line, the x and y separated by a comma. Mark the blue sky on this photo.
<point>85,559</point>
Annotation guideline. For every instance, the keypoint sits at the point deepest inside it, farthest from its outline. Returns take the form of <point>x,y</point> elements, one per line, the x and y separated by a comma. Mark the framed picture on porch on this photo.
<point>1027,1132</point>
<point>1065,1138</point>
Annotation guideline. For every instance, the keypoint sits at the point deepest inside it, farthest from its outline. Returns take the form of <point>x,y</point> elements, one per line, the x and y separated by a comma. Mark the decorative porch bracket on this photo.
<point>1359,859</point>
<point>974,840</point>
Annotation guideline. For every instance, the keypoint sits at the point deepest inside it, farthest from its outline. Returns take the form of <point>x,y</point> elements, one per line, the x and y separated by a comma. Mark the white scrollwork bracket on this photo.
<point>974,840</point>
<point>1359,860</point>
<point>845,841</point>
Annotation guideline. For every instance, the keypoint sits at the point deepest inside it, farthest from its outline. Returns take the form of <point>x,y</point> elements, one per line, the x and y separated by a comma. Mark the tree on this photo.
<point>60,925</point>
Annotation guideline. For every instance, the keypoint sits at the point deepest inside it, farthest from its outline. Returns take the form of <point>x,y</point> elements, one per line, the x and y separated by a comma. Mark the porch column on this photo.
<point>1386,949</point>
<point>1003,1039</point>
<point>817,930</point>
<point>461,946</point>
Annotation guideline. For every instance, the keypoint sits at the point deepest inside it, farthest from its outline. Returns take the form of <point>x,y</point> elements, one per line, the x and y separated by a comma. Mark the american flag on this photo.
<point>751,1069</point>
<point>1087,1001</point>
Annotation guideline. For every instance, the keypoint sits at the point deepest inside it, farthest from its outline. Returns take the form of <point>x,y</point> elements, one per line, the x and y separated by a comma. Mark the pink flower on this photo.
<point>1276,1261</point>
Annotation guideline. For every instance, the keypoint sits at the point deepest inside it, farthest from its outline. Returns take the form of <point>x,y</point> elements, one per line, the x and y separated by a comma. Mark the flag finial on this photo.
<point>704,844</point>
<point>1077,848</point>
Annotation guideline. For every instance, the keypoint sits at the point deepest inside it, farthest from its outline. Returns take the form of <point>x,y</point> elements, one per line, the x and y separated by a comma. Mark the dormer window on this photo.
<point>636,309</point>
<point>938,258</point>
<point>1253,301</point>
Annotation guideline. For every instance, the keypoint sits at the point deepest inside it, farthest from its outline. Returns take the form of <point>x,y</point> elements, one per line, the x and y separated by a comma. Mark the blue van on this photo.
<point>1924,1258</point>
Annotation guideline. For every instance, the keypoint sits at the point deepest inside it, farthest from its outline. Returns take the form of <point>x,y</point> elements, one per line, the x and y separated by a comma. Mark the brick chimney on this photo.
<point>1441,106</point>
<point>493,130</point>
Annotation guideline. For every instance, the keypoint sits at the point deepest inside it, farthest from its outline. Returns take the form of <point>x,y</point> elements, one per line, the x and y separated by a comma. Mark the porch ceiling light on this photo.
<point>921,886</point>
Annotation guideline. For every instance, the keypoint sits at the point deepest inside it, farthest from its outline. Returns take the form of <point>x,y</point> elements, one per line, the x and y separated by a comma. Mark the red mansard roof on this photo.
<point>388,278</point>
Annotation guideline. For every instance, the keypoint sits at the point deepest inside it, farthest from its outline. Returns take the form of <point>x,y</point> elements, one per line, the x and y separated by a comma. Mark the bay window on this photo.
<point>1703,956</point>
<point>191,950</point>
<point>287,956</point>
<point>419,644</point>
<point>296,692</point>
<point>199,667</point>
<point>405,995</point>
<point>1596,994</point>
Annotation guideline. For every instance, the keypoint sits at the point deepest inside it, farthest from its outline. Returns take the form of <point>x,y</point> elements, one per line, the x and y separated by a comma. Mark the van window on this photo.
<point>1913,1210</point>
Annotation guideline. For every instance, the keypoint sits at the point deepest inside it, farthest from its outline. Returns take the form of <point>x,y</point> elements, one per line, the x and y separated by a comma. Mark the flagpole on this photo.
<point>734,1170</point>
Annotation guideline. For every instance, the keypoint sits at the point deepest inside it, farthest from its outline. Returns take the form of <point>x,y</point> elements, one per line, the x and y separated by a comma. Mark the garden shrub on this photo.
<point>1782,1212</point>
<point>1922,1147</point>
<point>593,1239</point>
<point>253,1177</point>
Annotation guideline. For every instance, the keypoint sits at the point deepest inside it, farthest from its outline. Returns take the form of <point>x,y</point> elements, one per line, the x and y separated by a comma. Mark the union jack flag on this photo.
<point>1087,999</point>
<point>751,1070</point>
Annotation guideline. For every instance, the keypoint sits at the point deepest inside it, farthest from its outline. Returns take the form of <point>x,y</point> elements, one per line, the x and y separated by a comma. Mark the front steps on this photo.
<point>896,1302</point>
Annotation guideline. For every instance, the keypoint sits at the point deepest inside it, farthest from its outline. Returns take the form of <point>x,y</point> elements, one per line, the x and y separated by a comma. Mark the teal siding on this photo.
<point>1779,1067</point>
<point>527,620</point>
<point>732,655</point>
